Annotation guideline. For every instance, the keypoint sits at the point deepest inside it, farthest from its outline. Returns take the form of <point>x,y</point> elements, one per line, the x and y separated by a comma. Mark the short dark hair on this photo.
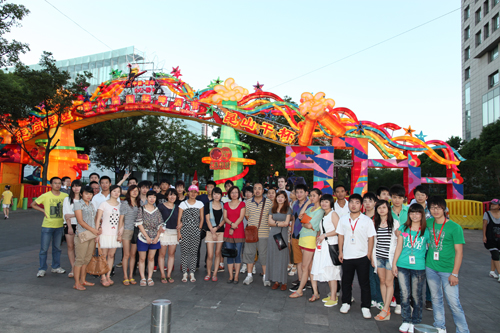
<point>150,193</point>
<point>339,185</point>
<point>436,201</point>
<point>328,197</point>
<point>133,178</point>
<point>143,183</point>
<point>217,190</point>
<point>104,178</point>
<point>382,189</point>
<point>164,181</point>
<point>231,190</point>
<point>171,191</point>
<point>229,182</point>
<point>156,184</point>
<point>95,174</point>
<point>88,189</point>
<point>179,183</point>
<point>64,178</point>
<point>370,196</point>
<point>397,190</point>
<point>247,189</point>
<point>114,187</point>
<point>356,196</point>
<point>301,187</point>
<point>281,177</point>
<point>93,182</point>
<point>422,189</point>
<point>211,182</point>
<point>54,178</point>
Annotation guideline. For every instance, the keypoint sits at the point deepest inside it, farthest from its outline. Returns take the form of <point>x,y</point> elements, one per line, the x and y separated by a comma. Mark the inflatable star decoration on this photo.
<point>409,131</point>
<point>421,136</point>
<point>258,86</point>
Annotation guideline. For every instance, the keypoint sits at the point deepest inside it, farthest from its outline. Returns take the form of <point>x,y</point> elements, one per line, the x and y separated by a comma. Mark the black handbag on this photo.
<point>135,235</point>
<point>280,242</point>
<point>227,252</point>
<point>333,249</point>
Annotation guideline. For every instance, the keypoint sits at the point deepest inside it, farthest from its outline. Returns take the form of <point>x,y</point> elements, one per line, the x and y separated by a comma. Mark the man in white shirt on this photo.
<point>356,237</point>
<point>341,206</point>
<point>102,196</point>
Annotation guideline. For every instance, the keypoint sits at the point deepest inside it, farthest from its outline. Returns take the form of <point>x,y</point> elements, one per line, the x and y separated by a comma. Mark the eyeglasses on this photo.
<point>435,208</point>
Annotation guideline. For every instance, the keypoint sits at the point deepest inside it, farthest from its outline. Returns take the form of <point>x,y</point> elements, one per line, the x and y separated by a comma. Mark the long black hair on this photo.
<point>75,182</point>
<point>128,197</point>
<point>376,218</point>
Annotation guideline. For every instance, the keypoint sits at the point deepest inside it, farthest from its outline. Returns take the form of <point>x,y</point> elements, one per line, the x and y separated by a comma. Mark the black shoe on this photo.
<point>308,285</point>
<point>296,282</point>
<point>295,288</point>
<point>428,305</point>
<point>229,281</point>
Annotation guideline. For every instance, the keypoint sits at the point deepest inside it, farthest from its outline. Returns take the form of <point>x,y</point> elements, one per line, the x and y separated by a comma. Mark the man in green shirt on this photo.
<point>444,258</point>
<point>52,226</point>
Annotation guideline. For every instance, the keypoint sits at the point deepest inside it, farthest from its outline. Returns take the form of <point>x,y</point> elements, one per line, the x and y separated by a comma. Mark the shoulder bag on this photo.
<point>98,264</point>
<point>333,249</point>
<point>251,231</point>
<point>227,252</point>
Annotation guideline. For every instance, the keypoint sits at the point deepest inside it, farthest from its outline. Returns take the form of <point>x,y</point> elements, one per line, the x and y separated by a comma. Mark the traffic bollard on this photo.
<point>161,311</point>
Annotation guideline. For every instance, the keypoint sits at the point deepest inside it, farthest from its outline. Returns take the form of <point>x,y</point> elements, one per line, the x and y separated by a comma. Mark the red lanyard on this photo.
<point>439,237</point>
<point>416,236</point>
<point>355,224</point>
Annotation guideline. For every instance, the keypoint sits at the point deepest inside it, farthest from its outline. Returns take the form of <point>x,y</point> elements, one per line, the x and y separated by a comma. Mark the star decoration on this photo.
<point>176,72</point>
<point>258,86</point>
<point>215,82</point>
<point>421,136</point>
<point>87,97</point>
<point>360,128</point>
<point>218,81</point>
<point>409,131</point>
<point>197,94</point>
<point>179,85</point>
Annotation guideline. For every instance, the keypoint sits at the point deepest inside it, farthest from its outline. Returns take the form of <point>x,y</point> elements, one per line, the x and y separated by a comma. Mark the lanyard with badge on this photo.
<point>436,241</point>
<point>353,239</point>
<point>412,257</point>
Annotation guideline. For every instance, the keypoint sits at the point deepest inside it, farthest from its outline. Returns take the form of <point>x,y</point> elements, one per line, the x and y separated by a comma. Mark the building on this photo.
<point>101,65</point>
<point>480,65</point>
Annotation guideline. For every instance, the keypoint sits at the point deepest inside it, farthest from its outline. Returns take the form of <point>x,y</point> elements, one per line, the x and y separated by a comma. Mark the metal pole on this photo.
<point>161,313</point>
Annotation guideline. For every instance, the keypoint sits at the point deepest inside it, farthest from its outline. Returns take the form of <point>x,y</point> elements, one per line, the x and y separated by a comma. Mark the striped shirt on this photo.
<point>88,214</point>
<point>253,212</point>
<point>130,214</point>
<point>383,243</point>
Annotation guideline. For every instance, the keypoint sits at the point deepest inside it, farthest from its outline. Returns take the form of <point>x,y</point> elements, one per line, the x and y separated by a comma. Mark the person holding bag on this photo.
<point>215,236</point>
<point>234,232</point>
<point>170,235</point>
<point>324,269</point>
<point>278,256</point>
<point>85,237</point>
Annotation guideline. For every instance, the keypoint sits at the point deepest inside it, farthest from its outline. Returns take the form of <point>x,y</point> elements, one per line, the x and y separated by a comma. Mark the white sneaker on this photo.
<point>366,313</point>
<point>404,327</point>
<point>248,280</point>
<point>243,268</point>
<point>254,270</point>
<point>393,303</point>
<point>397,310</point>
<point>440,330</point>
<point>410,329</point>
<point>41,273</point>
<point>345,308</point>
<point>58,270</point>
<point>266,283</point>
<point>493,275</point>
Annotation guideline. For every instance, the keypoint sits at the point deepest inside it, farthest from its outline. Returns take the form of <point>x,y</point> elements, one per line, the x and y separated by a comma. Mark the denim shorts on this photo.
<point>384,263</point>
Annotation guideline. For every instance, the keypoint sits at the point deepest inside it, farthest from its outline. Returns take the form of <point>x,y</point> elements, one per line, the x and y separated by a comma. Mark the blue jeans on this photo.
<point>375,287</point>
<point>238,246</point>
<point>438,282</point>
<point>411,284</point>
<point>54,235</point>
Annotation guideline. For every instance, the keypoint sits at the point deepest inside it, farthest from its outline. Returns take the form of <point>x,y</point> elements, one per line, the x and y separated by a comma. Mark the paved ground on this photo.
<point>49,304</point>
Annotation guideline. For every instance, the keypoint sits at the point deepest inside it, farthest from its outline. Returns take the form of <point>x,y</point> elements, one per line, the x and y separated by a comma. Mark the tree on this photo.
<point>48,88</point>
<point>10,16</point>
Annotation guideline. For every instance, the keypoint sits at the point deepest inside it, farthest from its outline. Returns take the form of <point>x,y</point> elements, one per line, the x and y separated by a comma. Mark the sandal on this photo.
<point>133,281</point>
<point>151,282</point>
<point>314,298</point>
<point>381,317</point>
<point>170,279</point>
<point>185,277</point>
<point>80,287</point>
<point>105,283</point>
<point>111,282</point>
<point>214,278</point>
<point>164,280</point>
<point>207,278</point>
<point>126,282</point>
<point>143,283</point>
<point>192,278</point>
<point>295,295</point>
<point>88,284</point>
<point>70,275</point>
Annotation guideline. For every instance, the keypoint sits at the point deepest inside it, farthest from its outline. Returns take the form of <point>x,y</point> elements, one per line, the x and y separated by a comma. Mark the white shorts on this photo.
<point>5,205</point>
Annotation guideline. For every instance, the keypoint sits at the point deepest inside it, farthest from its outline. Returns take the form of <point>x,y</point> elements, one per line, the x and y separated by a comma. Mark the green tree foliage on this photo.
<point>48,88</point>
<point>384,177</point>
<point>10,16</point>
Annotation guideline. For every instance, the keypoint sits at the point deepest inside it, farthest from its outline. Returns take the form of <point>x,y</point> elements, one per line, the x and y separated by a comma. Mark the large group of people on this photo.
<point>403,255</point>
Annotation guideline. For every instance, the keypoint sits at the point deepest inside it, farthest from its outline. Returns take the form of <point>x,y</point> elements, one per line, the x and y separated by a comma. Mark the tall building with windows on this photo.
<point>480,65</point>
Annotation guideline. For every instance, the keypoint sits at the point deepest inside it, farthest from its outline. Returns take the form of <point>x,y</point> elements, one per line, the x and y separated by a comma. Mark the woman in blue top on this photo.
<point>409,265</point>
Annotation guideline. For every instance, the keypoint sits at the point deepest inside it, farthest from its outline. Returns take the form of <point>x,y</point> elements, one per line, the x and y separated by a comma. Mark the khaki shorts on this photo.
<point>217,238</point>
<point>296,251</point>
<point>84,251</point>
<point>127,235</point>
<point>251,249</point>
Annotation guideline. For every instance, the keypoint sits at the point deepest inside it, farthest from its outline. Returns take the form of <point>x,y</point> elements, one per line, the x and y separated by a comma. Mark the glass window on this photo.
<point>467,125</point>
<point>490,107</point>
<point>98,64</point>
<point>467,33</point>
<point>85,66</point>
<point>467,93</point>
<point>493,80</point>
<point>467,73</point>
<point>91,65</point>
<point>479,38</point>
<point>107,62</point>
<point>479,16</point>
<point>485,110</point>
<point>494,53</point>
<point>467,53</point>
<point>496,108</point>
<point>78,67</point>
<point>466,13</point>
<point>495,22</point>
<point>486,30</point>
<point>486,7</point>
<point>494,3</point>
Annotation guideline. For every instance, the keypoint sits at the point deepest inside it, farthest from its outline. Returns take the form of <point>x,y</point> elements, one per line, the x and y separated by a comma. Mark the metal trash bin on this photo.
<point>422,328</point>
<point>161,313</point>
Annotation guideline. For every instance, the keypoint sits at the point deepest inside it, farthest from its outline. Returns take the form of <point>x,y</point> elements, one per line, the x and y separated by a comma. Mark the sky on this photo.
<point>413,79</point>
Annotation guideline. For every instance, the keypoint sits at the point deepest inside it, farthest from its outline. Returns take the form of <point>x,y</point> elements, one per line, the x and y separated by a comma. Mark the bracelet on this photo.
<point>455,275</point>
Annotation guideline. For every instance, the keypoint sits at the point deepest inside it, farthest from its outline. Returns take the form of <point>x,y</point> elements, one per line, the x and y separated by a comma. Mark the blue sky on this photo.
<point>412,80</point>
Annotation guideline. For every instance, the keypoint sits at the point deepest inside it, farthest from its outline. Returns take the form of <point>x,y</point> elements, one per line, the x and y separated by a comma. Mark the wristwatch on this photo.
<point>455,275</point>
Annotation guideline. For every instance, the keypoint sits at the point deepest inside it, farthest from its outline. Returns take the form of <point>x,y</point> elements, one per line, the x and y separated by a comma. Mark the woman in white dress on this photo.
<point>323,269</point>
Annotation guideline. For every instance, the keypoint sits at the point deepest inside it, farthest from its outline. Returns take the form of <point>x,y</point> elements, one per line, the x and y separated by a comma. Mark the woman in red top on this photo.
<point>234,231</point>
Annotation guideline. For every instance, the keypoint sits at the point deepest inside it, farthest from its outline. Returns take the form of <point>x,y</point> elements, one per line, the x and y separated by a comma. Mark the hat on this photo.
<point>193,188</point>
<point>495,202</point>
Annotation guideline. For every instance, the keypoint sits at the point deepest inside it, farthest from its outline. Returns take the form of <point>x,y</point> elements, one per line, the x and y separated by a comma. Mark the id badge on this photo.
<point>436,255</point>
<point>412,260</point>
<point>353,240</point>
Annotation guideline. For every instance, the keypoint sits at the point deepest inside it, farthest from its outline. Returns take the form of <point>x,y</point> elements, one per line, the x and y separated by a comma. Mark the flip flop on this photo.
<point>170,280</point>
<point>70,275</point>
<point>164,280</point>
<point>313,298</point>
<point>214,278</point>
<point>126,282</point>
<point>295,295</point>
<point>81,288</point>
<point>133,281</point>
<point>88,284</point>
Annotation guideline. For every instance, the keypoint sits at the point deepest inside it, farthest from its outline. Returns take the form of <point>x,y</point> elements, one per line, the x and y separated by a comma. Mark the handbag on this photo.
<point>86,236</point>
<point>227,252</point>
<point>280,242</point>
<point>332,249</point>
<point>306,219</point>
<point>98,264</point>
<point>251,231</point>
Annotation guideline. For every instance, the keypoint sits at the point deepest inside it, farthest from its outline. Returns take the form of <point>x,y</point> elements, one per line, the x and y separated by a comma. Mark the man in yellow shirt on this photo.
<point>52,226</point>
<point>6,201</point>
